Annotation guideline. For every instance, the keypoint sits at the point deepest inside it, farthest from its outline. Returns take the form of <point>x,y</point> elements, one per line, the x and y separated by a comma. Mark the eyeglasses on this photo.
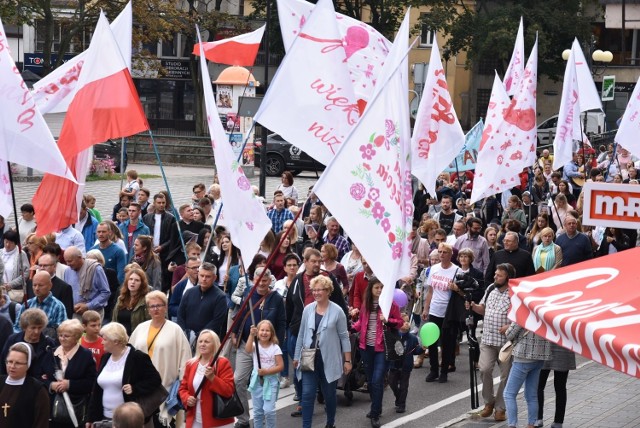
<point>15,363</point>
<point>154,307</point>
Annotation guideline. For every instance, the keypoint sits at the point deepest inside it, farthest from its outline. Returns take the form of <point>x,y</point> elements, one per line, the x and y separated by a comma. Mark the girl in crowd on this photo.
<point>148,260</point>
<point>131,309</point>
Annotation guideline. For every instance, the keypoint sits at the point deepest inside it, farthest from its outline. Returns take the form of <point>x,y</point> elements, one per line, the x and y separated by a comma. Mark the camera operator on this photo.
<point>494,306</point>
<point>472,278</point>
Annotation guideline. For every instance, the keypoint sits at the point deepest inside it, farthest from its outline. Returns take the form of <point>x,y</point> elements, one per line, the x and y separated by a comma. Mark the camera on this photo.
<point>465,282</point>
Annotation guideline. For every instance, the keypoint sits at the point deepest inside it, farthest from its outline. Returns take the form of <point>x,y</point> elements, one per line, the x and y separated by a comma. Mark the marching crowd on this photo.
<point>118,321</point>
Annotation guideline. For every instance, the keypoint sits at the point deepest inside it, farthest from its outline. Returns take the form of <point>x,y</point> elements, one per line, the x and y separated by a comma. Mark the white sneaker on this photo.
<point>284,383</point>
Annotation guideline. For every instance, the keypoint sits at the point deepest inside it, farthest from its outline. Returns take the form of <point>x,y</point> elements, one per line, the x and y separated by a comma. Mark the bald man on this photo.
<point>44,299</point>
<point>128,415</point>
<point>88,281</point>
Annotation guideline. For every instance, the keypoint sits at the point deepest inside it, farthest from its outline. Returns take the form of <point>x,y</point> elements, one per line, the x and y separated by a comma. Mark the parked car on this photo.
<point>283,156</point>
<point>110,148</point>
<point>547,129</point>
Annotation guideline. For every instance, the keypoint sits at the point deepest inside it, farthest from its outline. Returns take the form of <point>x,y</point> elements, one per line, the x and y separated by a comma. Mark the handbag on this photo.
<point>224,407</point>
<point>173,402</point>
<point>507,350</point>
<point>150,403</point>
<point>59,410</point>
<point>308,357</point>
<point>393,347</point>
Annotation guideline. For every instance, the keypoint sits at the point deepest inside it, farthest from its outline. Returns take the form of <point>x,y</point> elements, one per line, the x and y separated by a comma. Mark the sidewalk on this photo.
<point>598,397</point>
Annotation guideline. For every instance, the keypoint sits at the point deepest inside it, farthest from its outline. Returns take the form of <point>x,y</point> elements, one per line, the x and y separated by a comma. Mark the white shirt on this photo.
<point>267,356</point>
<point>438,280</point>
<point>110,380</point>
<point>156,229</point>
<point>188,286</point>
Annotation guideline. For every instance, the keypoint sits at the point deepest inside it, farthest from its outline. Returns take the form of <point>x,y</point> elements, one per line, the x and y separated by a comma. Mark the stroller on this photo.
<point>357,378</point>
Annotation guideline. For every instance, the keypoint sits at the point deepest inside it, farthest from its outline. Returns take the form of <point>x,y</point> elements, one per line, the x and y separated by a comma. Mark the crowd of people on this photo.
<point>108,310</point>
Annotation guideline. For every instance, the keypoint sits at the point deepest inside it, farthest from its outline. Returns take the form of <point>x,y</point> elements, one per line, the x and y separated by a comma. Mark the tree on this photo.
<point>487,29</point>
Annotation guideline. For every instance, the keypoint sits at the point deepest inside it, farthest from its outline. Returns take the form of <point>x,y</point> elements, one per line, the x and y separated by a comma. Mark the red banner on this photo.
<point>591,308</point>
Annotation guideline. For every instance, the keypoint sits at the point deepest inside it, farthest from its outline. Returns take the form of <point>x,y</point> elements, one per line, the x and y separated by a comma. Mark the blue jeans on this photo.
<point>375,367</point>
<point>527,374</point>
<point>265,408</point>
<point>291,347</point>
<point>310,381</point>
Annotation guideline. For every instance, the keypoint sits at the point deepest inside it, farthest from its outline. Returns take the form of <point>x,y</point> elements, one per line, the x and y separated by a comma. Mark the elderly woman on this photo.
<point>32,323</point>
<point>149,262</point>
<point>16,266</point>
<point>370,325</point>
<point>26,401</point>
<point>215,379</point>
<point>131,309</point>
<point>465,260</point>
<point>75,371</point>
<point>323,327</point>
<point>165,343</point>
<point>35,245</point>
<point>546,255</point>
<point>125,374</point>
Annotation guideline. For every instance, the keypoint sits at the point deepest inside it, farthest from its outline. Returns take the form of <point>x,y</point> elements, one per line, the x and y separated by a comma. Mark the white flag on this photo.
<point>367,186</point>
<point>25,137</point>
<point>629,129</point>
<point>310,101</point>
<point>365,48</point>
<point>568,128</point>
<point>6,200</point>
<point>510,147</point>
<point>54,92</point>
<point>244,215</point>
<point>515,70</point>
<point>437,136</point>
<point>589,97</point>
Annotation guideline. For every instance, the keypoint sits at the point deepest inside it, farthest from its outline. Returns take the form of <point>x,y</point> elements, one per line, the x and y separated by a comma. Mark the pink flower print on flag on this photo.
<point>357,191</point>
<point>386,224</point>
<point>390,128</point>
<point>249,225</point>
<point>396,250</point>
<point>243,183</point>
<point>368,152</point>
<point>374,194</point>
<point>378,210</point>
<point>356,38</point>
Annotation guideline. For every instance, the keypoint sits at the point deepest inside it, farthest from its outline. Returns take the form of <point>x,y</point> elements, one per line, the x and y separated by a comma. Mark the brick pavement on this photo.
<point>598,397</point>
<point>181,180</point>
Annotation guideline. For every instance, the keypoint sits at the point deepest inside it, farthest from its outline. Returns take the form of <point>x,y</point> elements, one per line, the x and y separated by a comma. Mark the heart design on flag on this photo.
<point>356,38</point>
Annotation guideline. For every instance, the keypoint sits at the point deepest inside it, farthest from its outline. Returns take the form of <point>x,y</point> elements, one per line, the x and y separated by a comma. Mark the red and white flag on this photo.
<point>105,106</point>
<point>367,186</point>
<point>310,101</point>
<point>25,137</point>
<point>510,147</point>
<point>239,50</point>
<point>629,129</point>
<point>591,308</point>
<point>244,214</point>
<point>589,96</point>
<point>54,92</point>
<point>515,70</point>
<point>569,128</point>
<point>437,135</point>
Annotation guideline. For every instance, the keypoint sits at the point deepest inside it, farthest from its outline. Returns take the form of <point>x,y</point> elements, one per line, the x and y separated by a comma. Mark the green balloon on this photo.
<point>429,334</point>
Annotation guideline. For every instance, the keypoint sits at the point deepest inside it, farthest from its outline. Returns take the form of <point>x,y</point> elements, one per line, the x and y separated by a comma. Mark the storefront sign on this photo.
<point>611,205</point>
<point>176,68</point>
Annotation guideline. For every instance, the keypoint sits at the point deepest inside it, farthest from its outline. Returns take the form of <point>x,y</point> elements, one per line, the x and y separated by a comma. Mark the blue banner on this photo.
<point>468,156</point>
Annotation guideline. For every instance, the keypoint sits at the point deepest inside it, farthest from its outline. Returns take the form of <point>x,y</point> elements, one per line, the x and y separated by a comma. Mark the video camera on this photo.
<point>466,283</point>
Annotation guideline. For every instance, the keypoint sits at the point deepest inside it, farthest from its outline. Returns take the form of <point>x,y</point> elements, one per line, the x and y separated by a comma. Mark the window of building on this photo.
<point>427,35</point>
<point>482,102</point>
<point>167,104</point>
<point>78,44</point>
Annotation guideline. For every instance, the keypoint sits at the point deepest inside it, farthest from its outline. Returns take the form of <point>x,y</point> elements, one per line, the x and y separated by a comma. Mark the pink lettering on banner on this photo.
<point>441,112</point>
<point>20,95</point>
<point>325,135</point>
<point>332,96</point>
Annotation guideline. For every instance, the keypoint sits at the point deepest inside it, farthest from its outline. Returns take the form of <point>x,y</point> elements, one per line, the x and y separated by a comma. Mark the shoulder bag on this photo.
<point>393,347</point>
<point>223,407</point>
<point>507,349</point>
<point>308,357</point>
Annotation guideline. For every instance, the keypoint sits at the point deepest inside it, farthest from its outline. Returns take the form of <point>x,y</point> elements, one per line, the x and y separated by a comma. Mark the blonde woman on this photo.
<point>546,255</point>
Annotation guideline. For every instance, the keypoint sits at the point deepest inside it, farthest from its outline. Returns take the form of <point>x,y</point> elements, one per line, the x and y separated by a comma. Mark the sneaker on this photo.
<point>296,397</point>
<point>284,383</point>
<point>375,423</point>
<point>500,415</point>
<point>432,377</point>
<point>297,413</point>
<point>556,425</point>
<point>442,378</point>
<point>487,411</point>
<point>539,423</point>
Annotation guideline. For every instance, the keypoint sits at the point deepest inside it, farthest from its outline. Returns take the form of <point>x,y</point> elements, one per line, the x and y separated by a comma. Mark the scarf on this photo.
<point>85,277</point>
<point>9,261</point>
<point>546,253</point>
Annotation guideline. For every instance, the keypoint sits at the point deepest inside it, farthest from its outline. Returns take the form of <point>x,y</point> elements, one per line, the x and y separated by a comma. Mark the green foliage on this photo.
<point>487,29</point>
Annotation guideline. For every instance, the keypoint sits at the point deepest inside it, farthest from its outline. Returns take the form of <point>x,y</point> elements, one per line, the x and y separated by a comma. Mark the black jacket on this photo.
<point>42,360</point>
<point>272,310</point>
<point>139,372</point>
<point>199,311</point>
<point>295,300</point>
<point>167,229</point>
<point>81,372</point>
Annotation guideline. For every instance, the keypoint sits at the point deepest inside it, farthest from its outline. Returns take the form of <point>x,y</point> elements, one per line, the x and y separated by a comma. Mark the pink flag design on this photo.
<point>629,129</point>
<point>515,70</point>
<point>244,215</point>
<point>437,135</point>
<point>509,147</point>
<point>367,186</point>
<point>589,96</point>
<point>310,101</point>
<point>54,92</point>
<point>569,127</point>
<point>239,50</point>
<point>23,131</point>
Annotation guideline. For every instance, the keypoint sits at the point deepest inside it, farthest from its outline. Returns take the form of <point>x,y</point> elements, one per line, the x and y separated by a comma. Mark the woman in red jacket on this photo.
<point>371,344</point>
<point>217,379</point>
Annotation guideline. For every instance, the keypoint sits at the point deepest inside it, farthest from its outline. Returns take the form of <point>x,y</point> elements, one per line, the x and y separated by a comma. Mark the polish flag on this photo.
<point>107,103</point>
<point>515,70</point>
<point>239,50</point>
<point>54,92</point>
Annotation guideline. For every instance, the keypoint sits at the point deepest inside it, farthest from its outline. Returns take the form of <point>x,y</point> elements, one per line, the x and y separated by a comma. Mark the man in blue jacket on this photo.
<point>133,228</point>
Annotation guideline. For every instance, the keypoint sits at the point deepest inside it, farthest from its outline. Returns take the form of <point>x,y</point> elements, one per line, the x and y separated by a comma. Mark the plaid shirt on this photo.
<point>54,308</point>
<point>496,307</point>
<point>278,218</point>
<point>341,244</point>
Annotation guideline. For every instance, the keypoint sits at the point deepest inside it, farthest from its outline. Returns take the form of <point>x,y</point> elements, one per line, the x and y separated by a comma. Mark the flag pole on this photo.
<point>15,218</point>
<point>122,142</point>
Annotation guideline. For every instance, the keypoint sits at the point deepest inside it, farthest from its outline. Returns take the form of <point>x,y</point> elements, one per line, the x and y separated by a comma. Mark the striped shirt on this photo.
<point>371,327</point>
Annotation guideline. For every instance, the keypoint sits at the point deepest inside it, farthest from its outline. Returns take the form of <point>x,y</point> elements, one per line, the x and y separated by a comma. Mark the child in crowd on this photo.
<point>265,394</point>
<point>92,322</point>
<point>133,186</point>
<point>90,202</point>
<point>400,370</point>
<point>122,216</point>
